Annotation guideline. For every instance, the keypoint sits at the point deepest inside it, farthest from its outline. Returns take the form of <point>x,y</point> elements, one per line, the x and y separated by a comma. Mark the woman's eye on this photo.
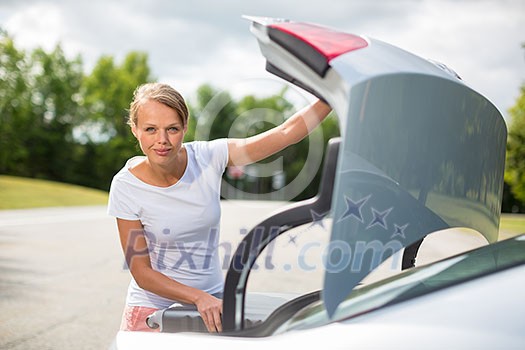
<point>173,129</point>
<point>150,129</point>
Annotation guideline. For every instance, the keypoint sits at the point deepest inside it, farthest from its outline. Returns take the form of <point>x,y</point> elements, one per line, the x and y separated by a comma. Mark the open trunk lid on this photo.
<point>420,150</point>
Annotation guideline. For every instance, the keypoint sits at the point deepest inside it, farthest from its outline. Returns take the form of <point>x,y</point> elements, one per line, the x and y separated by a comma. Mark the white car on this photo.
<point>419,152</point>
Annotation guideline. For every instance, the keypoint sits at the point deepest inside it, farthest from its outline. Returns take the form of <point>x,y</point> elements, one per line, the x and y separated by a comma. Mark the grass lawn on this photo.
<point>20,193</point>
<point>511,225</point>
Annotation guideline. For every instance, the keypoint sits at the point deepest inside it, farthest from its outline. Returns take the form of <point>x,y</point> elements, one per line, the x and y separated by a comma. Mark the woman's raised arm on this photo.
<point>294,129</point>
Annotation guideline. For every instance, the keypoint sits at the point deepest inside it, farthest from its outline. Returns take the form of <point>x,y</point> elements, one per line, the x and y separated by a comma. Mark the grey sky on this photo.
<point>190,43</point>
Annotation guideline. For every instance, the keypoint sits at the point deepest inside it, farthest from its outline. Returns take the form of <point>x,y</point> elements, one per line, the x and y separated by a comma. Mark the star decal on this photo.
<point>354,208</point>
<point>399,231</point>
<point>291,239</point>
<point>379,218</point>
<point>317,219</point>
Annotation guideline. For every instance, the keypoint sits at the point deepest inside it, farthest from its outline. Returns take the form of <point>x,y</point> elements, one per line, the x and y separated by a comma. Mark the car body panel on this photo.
<point>421,151</point>
<point>495,259</point>
<point>450,318</point>
<point>420,133</point>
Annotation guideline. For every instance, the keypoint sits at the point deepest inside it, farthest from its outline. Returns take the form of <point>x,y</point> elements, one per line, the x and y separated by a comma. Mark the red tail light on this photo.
<point>316,46</point>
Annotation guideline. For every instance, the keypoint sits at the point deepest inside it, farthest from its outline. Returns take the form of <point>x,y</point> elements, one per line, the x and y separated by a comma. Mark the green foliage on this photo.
<point>14,110</point>
<point>108,90</point>
<point>38,110</point>
<point>59,123</point>
<point>106,95</point>
<point>515,166</point>
<point>216,115</point>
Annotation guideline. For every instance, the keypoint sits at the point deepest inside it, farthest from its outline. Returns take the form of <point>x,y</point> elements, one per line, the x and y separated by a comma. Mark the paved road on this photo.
<point>62,282</point>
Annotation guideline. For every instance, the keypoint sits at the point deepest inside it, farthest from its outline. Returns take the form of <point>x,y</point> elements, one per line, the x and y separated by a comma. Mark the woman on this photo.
<point>167,204</point>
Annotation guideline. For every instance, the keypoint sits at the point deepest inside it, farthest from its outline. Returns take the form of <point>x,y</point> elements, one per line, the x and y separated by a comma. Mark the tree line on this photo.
<point>514,194</point>
<point>60,123</point>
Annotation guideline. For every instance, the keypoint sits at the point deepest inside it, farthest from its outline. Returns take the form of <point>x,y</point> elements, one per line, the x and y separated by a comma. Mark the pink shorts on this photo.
<point>134,319</point>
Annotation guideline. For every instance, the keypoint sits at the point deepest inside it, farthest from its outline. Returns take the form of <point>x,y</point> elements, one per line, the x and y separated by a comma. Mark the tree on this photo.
<point>38,110</point>
<point>515,166</point>
<point>212,115</point>
<point>108,90</point>
<point>14,109</point>
<point>106,95</point>
<point>54,85</point>
<point>59,124</point>
<point>216,114</point>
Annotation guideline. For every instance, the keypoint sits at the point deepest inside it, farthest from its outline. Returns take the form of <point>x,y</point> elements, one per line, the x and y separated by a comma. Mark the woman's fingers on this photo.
<point>210,309</point>
<point>212,321</point>
<point>207,323</point>
<point>217,320</point>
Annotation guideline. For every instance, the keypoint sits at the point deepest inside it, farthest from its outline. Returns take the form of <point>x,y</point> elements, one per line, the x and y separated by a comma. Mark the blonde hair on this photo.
<point>159,92</point>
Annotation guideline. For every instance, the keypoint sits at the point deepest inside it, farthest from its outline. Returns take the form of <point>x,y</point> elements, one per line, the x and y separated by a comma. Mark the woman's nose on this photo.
<point>162,137</point>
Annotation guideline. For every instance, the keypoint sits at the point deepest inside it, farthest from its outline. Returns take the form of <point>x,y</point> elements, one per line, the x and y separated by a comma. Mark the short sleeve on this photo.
<point>219,149</point>
<point>120,204</point>
<point>217,154</point>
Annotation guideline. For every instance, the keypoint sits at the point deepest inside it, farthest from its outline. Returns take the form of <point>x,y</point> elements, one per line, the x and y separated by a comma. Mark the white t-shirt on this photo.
<point>181,222</point>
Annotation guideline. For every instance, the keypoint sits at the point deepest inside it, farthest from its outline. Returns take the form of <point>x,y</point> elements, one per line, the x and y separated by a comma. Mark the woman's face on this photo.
<point>160,131</point>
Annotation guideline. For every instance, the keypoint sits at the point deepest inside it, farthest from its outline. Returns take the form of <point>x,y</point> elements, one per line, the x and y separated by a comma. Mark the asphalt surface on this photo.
<point>63,284</point>
<point>62,281</point>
